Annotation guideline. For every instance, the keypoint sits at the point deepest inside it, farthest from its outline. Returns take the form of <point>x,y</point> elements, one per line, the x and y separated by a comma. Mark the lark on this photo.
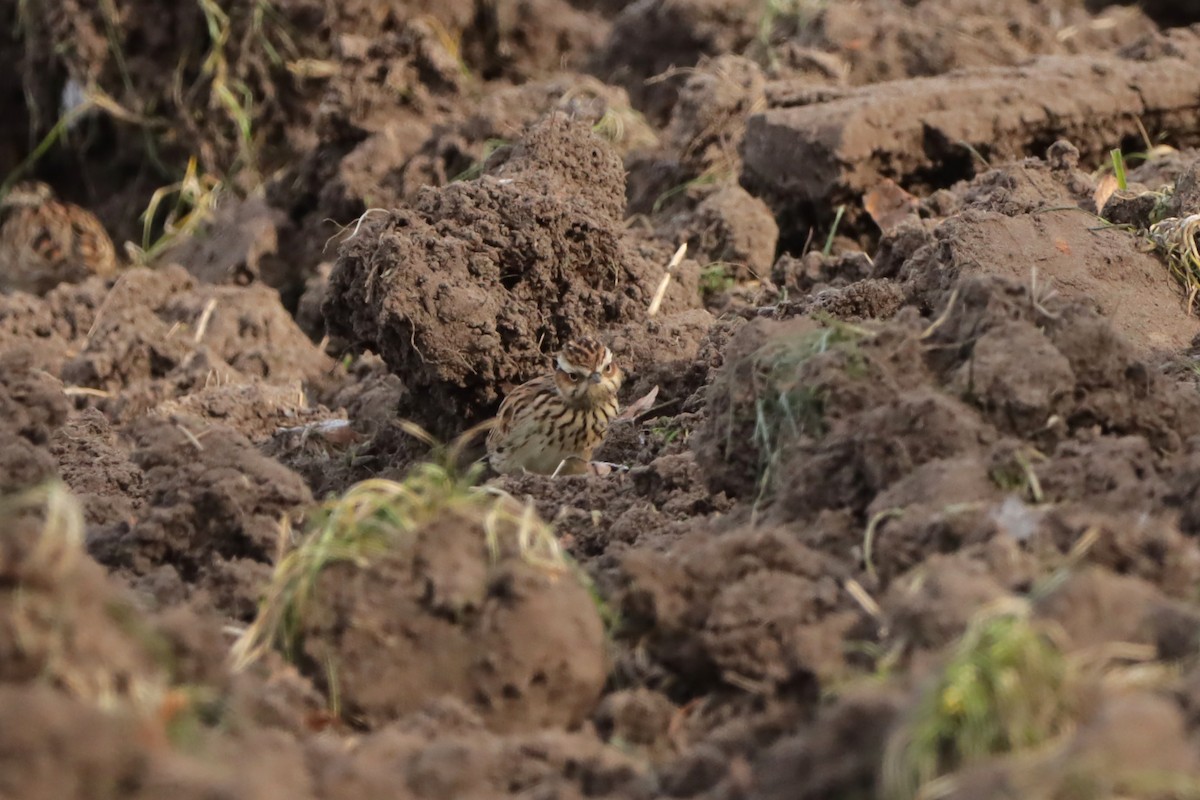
<point>45,241</point>
<point>553,423</point>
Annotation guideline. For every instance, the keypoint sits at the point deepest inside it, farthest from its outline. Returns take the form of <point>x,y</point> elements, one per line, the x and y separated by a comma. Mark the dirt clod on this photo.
<point>515,263</point>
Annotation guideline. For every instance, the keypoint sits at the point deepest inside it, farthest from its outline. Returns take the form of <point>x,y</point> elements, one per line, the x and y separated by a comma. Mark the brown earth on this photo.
<point>921,366</point>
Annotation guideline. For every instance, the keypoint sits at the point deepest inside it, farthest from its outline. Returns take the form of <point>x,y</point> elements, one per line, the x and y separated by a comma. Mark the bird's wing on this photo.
<point>509,411</point>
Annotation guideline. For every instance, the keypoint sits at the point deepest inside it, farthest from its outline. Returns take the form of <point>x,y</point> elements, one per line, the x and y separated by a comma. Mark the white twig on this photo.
<point>661,291</point>
<point>205,316</point>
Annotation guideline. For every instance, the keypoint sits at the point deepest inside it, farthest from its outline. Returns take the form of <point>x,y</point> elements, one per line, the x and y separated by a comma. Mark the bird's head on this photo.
<point>585,372</point>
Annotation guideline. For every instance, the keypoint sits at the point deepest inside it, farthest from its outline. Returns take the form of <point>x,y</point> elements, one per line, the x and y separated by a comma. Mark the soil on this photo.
<point>920,363</point>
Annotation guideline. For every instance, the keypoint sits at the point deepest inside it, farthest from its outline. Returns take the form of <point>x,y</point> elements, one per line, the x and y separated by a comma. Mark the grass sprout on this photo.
<point>1007,688</point>
<point>1118,163</point>
<point>715,279</point>
<point>1017,475</point>
<point>231,94</point>
<point>196,196</point>
<point>670,431</point>
<point>837,221</point>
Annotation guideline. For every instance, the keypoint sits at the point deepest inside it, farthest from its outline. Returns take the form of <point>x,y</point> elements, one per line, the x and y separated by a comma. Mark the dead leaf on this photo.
<point>1104,190</point>
<point>334,431</point>
<point>889,205</point>
<point>602,468</point>
<point>322,720</point>
<point>1062,247</point>
<point>638,407</point>
<point>341,434</point>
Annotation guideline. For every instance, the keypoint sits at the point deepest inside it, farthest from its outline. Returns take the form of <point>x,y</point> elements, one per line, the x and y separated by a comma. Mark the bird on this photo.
<point>45,241</point>
<point>551,425</point>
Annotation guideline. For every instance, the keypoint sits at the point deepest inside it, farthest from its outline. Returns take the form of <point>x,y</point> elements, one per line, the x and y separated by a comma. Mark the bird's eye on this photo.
<point>575,376</point>
<point>609,369</point>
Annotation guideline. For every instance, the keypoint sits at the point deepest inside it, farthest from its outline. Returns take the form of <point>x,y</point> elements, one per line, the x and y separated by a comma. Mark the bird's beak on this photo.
<point>595,377</point>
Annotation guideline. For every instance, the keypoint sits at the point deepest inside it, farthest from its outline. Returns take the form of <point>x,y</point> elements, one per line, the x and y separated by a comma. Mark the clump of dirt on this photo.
<point>1101,757</point>
<point>882,40</point>
<point>96,467</point>
<point>650,38</point>
<point>731,233</point>
<point>815,271</point>
<point>1094,606</point>
<point>639,717</point>
<point>49,327</point>
<point>1076,617</point>
<point>213,506</point>
<point>461,147</point>
<point>32,407</point>
<point>233,245</point>
<point>386,161</point>
<point>708,120</point>
<point>928,147</point>
<point>657,502</point>
<point>1161,167</point>
<point>394,85</point>
<point>113,700</point>
<point>407,112</point>
<point>867,299</point>
<point>465,760</point>
<point>154,334</point>
<point>1130,542</point>
<point>462,593</point>
<point>1032,203</point>
<point>69,749</point>
<point>843,424</point>
<point>255,410</point>
<point>701,610</point>
<point>701,144</point>
<point>527,38</point>
<point>511,266</point>
<point>761,400</point>
<point>1185,194</point>
<point>838,754</point>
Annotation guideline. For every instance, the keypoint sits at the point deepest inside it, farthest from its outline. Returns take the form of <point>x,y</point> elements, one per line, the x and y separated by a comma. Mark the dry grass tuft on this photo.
<point>376,517</point>
<point>1175,237</point>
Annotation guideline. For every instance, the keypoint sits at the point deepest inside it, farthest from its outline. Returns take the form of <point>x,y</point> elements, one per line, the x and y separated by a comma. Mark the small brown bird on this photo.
<point>551,424</point>
<point>45,241</point>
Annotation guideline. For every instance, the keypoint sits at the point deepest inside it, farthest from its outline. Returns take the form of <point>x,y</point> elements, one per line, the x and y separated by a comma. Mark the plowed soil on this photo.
<point>922,360</point>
